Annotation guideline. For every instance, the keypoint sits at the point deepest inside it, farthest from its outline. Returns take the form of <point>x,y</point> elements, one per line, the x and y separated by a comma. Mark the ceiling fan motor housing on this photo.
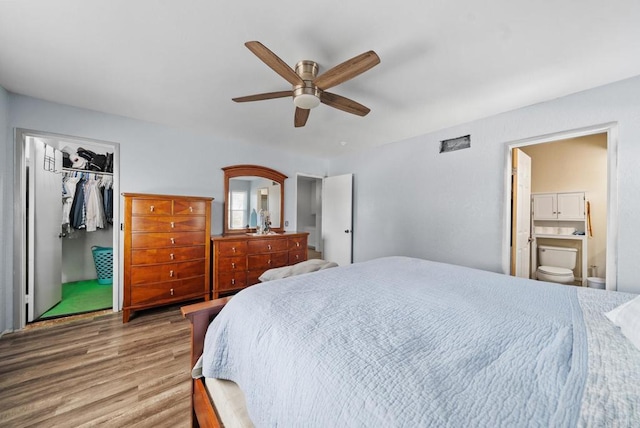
<point>307,95</point>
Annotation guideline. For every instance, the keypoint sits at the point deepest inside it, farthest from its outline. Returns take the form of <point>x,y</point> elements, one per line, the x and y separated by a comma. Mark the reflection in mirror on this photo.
<point>247,196</point>
<point>251,190</point>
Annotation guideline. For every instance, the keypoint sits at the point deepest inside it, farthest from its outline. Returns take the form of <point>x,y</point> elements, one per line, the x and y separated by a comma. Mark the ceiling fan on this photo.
<point>309,89</point>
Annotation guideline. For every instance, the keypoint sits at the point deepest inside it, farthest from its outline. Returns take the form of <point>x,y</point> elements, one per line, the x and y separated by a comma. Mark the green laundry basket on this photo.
<point>103,258</point>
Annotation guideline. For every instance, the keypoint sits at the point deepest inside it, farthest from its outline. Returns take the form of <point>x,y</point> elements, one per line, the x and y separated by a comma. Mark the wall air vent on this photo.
<point>455,144</point>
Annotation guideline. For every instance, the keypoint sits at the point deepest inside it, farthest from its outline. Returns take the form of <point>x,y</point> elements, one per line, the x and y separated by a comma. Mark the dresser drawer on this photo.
<point>157,240</point>
<point>231,281</point>
<point>166,255</point>
<point>297,243</point>
<point>188,207</point>
<point>231,264</point>
<point>150,207</point>
<point>297,256</point>
<point>267,261</point>
<point>253,277</point>
<point>166,272</point>
<point>267,245</point>
<point>167,223</point>
<point>166,291</point>
<point>231,248</point>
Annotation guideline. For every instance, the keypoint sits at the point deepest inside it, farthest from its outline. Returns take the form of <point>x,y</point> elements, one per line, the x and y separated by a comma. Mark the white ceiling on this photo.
<point>443,62</point>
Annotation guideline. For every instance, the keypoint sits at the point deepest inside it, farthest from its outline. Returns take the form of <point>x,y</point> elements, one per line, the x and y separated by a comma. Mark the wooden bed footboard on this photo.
<point>203,413</point>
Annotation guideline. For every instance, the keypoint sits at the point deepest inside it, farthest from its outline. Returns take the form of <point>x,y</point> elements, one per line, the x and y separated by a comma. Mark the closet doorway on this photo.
<point>583,160</point>
<point>309,212</point>
<point>67,241</point>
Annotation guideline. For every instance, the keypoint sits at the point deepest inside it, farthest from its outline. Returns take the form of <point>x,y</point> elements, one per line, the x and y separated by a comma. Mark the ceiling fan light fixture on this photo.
<point>306,101</point>
<point>306,96</point>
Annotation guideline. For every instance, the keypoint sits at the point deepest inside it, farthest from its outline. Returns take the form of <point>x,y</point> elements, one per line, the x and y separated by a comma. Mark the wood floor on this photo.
<point>98,371</point>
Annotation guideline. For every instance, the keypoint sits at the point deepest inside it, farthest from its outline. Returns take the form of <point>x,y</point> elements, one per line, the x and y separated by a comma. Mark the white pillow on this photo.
<point>627,317</point>
<point>307,266</point>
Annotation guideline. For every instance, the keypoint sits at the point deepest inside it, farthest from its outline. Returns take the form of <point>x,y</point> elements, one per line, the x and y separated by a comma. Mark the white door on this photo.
<point>521,253</point>
<point>337,219</point>
<point>45,219</point>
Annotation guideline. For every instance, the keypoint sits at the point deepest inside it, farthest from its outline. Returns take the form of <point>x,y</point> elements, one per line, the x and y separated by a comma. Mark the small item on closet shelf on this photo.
<point>84,153</point>
<point>98,163</point>
<point>77,161</point>
<point>66,160</point>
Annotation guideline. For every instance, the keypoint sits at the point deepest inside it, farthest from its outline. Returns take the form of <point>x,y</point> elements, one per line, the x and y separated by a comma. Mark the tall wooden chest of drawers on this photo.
<point>239,260</point>
<point>166,250</point>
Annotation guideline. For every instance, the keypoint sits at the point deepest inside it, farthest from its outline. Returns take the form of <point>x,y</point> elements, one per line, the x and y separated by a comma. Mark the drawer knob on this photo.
<point>233,281</point>
<point>172,291</point>
<point>151,208</point>
<point>297,244</point>
<point>233,249</point>
<point>173,225</point>
<point>190,209</point>
<point>297,256</point>
<point>171,256</point>
<point>233,265</point>
<point>269,262</point>
<point>171,273</point>
<point>173,241</point>
<point>269,246</point>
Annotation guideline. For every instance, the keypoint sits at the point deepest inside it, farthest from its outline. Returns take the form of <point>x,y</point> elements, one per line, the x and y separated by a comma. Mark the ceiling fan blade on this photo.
<point>265,96</point>
<point>344,104</point>
<point>273,61</point>
<point>347,70</point>
<point>300,117</point>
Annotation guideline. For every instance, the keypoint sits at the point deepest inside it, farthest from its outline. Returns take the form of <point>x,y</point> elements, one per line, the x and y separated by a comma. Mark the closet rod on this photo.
<point>87,170</point>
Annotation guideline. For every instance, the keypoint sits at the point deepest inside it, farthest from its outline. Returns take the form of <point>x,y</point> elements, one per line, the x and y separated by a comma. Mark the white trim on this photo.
<point>611,129</point>
<point>20,209</point>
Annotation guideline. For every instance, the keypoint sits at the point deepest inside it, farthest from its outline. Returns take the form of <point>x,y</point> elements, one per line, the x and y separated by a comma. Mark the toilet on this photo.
<point>556,264</point>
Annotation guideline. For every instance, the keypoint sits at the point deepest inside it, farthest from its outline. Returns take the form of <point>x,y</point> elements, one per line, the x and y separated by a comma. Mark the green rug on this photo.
<point>82,296</point>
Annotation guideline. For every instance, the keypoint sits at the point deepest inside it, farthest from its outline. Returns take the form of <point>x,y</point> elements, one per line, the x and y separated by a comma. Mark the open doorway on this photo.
<point>568,165</point>
<point>309,212</point>
<point>66,245</point>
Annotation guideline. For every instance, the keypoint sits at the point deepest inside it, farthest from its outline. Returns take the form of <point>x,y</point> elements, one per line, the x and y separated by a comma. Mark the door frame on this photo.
<point>611,130</point>
<point>20,256</point>
<point>295,218</point>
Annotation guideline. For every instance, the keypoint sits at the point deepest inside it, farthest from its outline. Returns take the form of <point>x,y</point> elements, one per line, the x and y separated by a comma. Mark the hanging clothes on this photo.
<point>69,182</point>
<point>106,184</point>
<point>77,212</point>
<point>87,201</point>
<point>94,208</point>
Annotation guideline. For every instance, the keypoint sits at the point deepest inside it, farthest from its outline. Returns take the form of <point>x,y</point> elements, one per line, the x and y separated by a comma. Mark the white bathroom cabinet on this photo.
<point>558,206</point>
<point>556,216</point>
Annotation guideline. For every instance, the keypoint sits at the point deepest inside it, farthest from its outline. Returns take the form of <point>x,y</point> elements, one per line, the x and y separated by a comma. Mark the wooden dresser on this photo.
<point>166,250</point>
<point>238,260</point>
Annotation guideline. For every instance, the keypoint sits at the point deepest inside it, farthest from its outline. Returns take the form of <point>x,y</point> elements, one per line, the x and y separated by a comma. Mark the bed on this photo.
<point>399,341</point>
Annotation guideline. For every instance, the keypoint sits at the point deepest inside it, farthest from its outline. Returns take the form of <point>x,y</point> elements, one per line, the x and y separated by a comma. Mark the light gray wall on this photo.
<point>6,204</point>
<point>411,200</point>
<point>153,159</point>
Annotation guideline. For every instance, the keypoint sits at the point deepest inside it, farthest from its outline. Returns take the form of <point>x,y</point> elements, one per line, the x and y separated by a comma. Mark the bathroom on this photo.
<point>571,167</point>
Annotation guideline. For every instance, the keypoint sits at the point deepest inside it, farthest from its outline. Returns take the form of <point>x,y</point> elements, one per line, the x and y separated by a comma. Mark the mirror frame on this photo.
<point>256,171</point>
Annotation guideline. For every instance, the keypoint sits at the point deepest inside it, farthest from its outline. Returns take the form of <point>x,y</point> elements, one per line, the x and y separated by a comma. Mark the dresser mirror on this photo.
<point>250,189</point>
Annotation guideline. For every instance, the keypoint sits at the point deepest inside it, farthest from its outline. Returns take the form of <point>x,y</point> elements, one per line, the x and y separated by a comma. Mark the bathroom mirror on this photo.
<point>249,189</point>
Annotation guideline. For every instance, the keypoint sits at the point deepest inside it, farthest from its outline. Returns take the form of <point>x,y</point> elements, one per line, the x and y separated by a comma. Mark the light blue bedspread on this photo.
<point>403,342</point>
